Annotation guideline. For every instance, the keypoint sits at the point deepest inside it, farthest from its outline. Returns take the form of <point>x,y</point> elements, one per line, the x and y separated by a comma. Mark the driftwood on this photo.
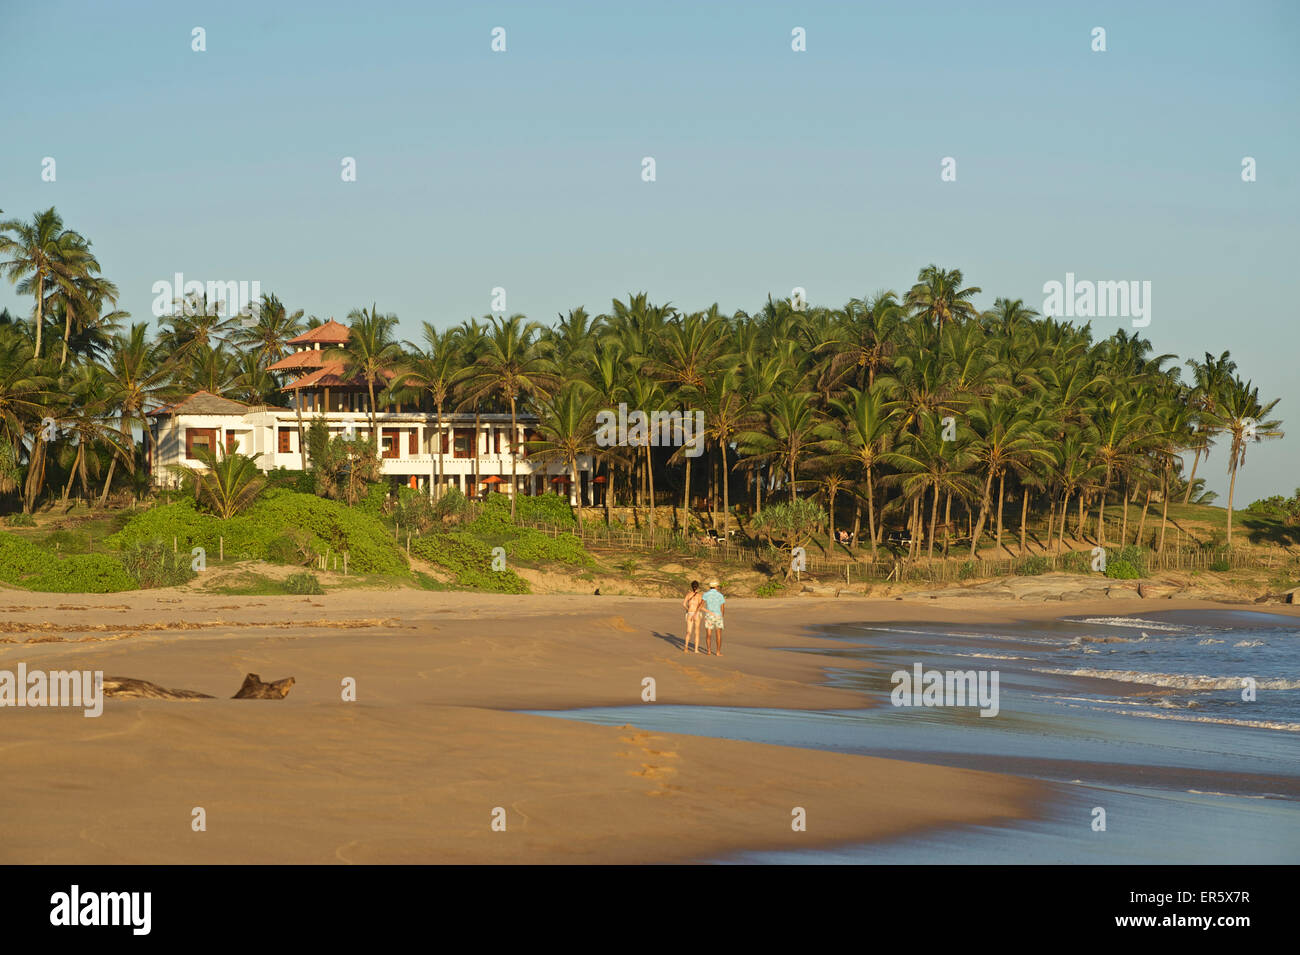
<point>126,688</point>
<point>255,689</point>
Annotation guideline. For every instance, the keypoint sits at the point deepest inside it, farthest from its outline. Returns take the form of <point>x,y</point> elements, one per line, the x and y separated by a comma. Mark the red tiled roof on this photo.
<point>330,332</point>
<point>330,375</point>
<point>311,358</point>
<point>203,402</point>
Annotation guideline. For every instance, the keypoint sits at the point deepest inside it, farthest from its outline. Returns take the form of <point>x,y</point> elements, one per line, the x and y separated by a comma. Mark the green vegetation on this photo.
<point>281,525</point>
<point>1032,566</point>
<point>770,588</point>
<point>303,583</point>
<point>28,565</point>
<point>467,550</point>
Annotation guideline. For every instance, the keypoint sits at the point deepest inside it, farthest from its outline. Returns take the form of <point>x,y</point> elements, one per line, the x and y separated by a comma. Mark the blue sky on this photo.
<point>775,169</point>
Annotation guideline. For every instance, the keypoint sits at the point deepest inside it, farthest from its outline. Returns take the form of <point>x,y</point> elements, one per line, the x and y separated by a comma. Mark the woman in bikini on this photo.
<point>693,603</point>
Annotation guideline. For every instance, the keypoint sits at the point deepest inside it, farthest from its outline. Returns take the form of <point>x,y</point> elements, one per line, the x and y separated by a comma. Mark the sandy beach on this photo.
<point>413,770</point>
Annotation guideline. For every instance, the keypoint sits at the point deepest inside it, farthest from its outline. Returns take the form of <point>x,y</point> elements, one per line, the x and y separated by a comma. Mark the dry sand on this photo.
<point>412,771</point>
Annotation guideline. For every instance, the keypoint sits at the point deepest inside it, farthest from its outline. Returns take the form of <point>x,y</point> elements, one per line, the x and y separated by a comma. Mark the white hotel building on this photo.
<point>409,437</point>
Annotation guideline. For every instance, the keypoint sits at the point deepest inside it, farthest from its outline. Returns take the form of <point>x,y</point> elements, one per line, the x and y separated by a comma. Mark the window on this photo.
<point>286,441</point>
<point>232,443</point>
<point>200,439</point>
<point>463,442</point>
<point>413,445</point>
<point>388,442</point>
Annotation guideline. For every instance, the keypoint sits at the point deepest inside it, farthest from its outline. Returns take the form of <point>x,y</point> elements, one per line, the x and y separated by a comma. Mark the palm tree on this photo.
<point>268,336</point>
<point>1212,378</point>
<point>89,422</point>
<point>567,429</point>
<point>41,255</point>
<point>513,365</point>
<point>1242,416</point>
<point>141,376</point>
<point>227,483</point>
<point>435,370</point>
<point>863,427</point>
<point>938,297</point>
<point>1006,437</point>
<point>372,354</point>
<point>790,434</point>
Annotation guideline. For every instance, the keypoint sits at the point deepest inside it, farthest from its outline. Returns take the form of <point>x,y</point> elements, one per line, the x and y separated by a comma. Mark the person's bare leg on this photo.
<point>708,640</point>
<point>719,643</point>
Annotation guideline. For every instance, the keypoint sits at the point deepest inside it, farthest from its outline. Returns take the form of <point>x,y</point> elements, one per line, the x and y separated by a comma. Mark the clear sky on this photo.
<point>775,168</point>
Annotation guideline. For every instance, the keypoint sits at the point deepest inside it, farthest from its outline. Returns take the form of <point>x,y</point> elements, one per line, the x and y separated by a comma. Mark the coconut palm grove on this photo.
<point>906,427</point>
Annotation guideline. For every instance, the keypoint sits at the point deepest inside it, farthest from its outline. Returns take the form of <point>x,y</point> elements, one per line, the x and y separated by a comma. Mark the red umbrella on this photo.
<point>559,480</point>
<point>600,479</point>
<point>494,479</point>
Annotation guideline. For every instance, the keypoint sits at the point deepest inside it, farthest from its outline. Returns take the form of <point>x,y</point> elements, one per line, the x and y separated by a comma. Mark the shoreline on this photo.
<point>412,771</point>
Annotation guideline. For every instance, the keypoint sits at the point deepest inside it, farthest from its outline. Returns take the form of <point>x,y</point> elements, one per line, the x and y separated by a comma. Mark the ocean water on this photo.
<point>1143,716</point>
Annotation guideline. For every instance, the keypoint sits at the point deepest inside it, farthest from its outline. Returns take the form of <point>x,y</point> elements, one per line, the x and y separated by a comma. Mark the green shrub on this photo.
<point>20,520</point>
<point>967,570</point>
<point>1121,570</point>
<point>29,565</point>
<point>303,583</point>
<point>470,559</point>
<point>1129,555</point>
<point>314,524</point>
<point>1220,565</point>
<point>544,509</point>
<point>1076,562</point>
<point>536,547</point>
<point>153,564</point>
<point>292,547</point>
<point>769,588</point>
<point>1033,566</point>
<point>452,505</point>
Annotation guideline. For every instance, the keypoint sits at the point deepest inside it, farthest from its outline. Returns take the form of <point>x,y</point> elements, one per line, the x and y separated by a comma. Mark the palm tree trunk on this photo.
<point>1101,513</point>
<point>1164,508</point>
<point>441,441</point>
<point>72,472</point>
<point>1232,487</point>
<point>1123,525</point>
<point>1196,459</point>
<point>1137,539</point>
<point>978,530</point>
<point>40,314</point>
<point>1002,496</point>
<point>650,477</point>
<point>947,522</point>
<point>686,495</point>
<point>108,482</point>
<point>830,491</point>
<point>1065,513</point>
<point>577,489</point>
<point>871,513</point>
<point>473,490</point>
<point>1024,514</point>
<point>934,516</point>
<point>726,497</point>
<point>67,332</point>
<point>514,457</point>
